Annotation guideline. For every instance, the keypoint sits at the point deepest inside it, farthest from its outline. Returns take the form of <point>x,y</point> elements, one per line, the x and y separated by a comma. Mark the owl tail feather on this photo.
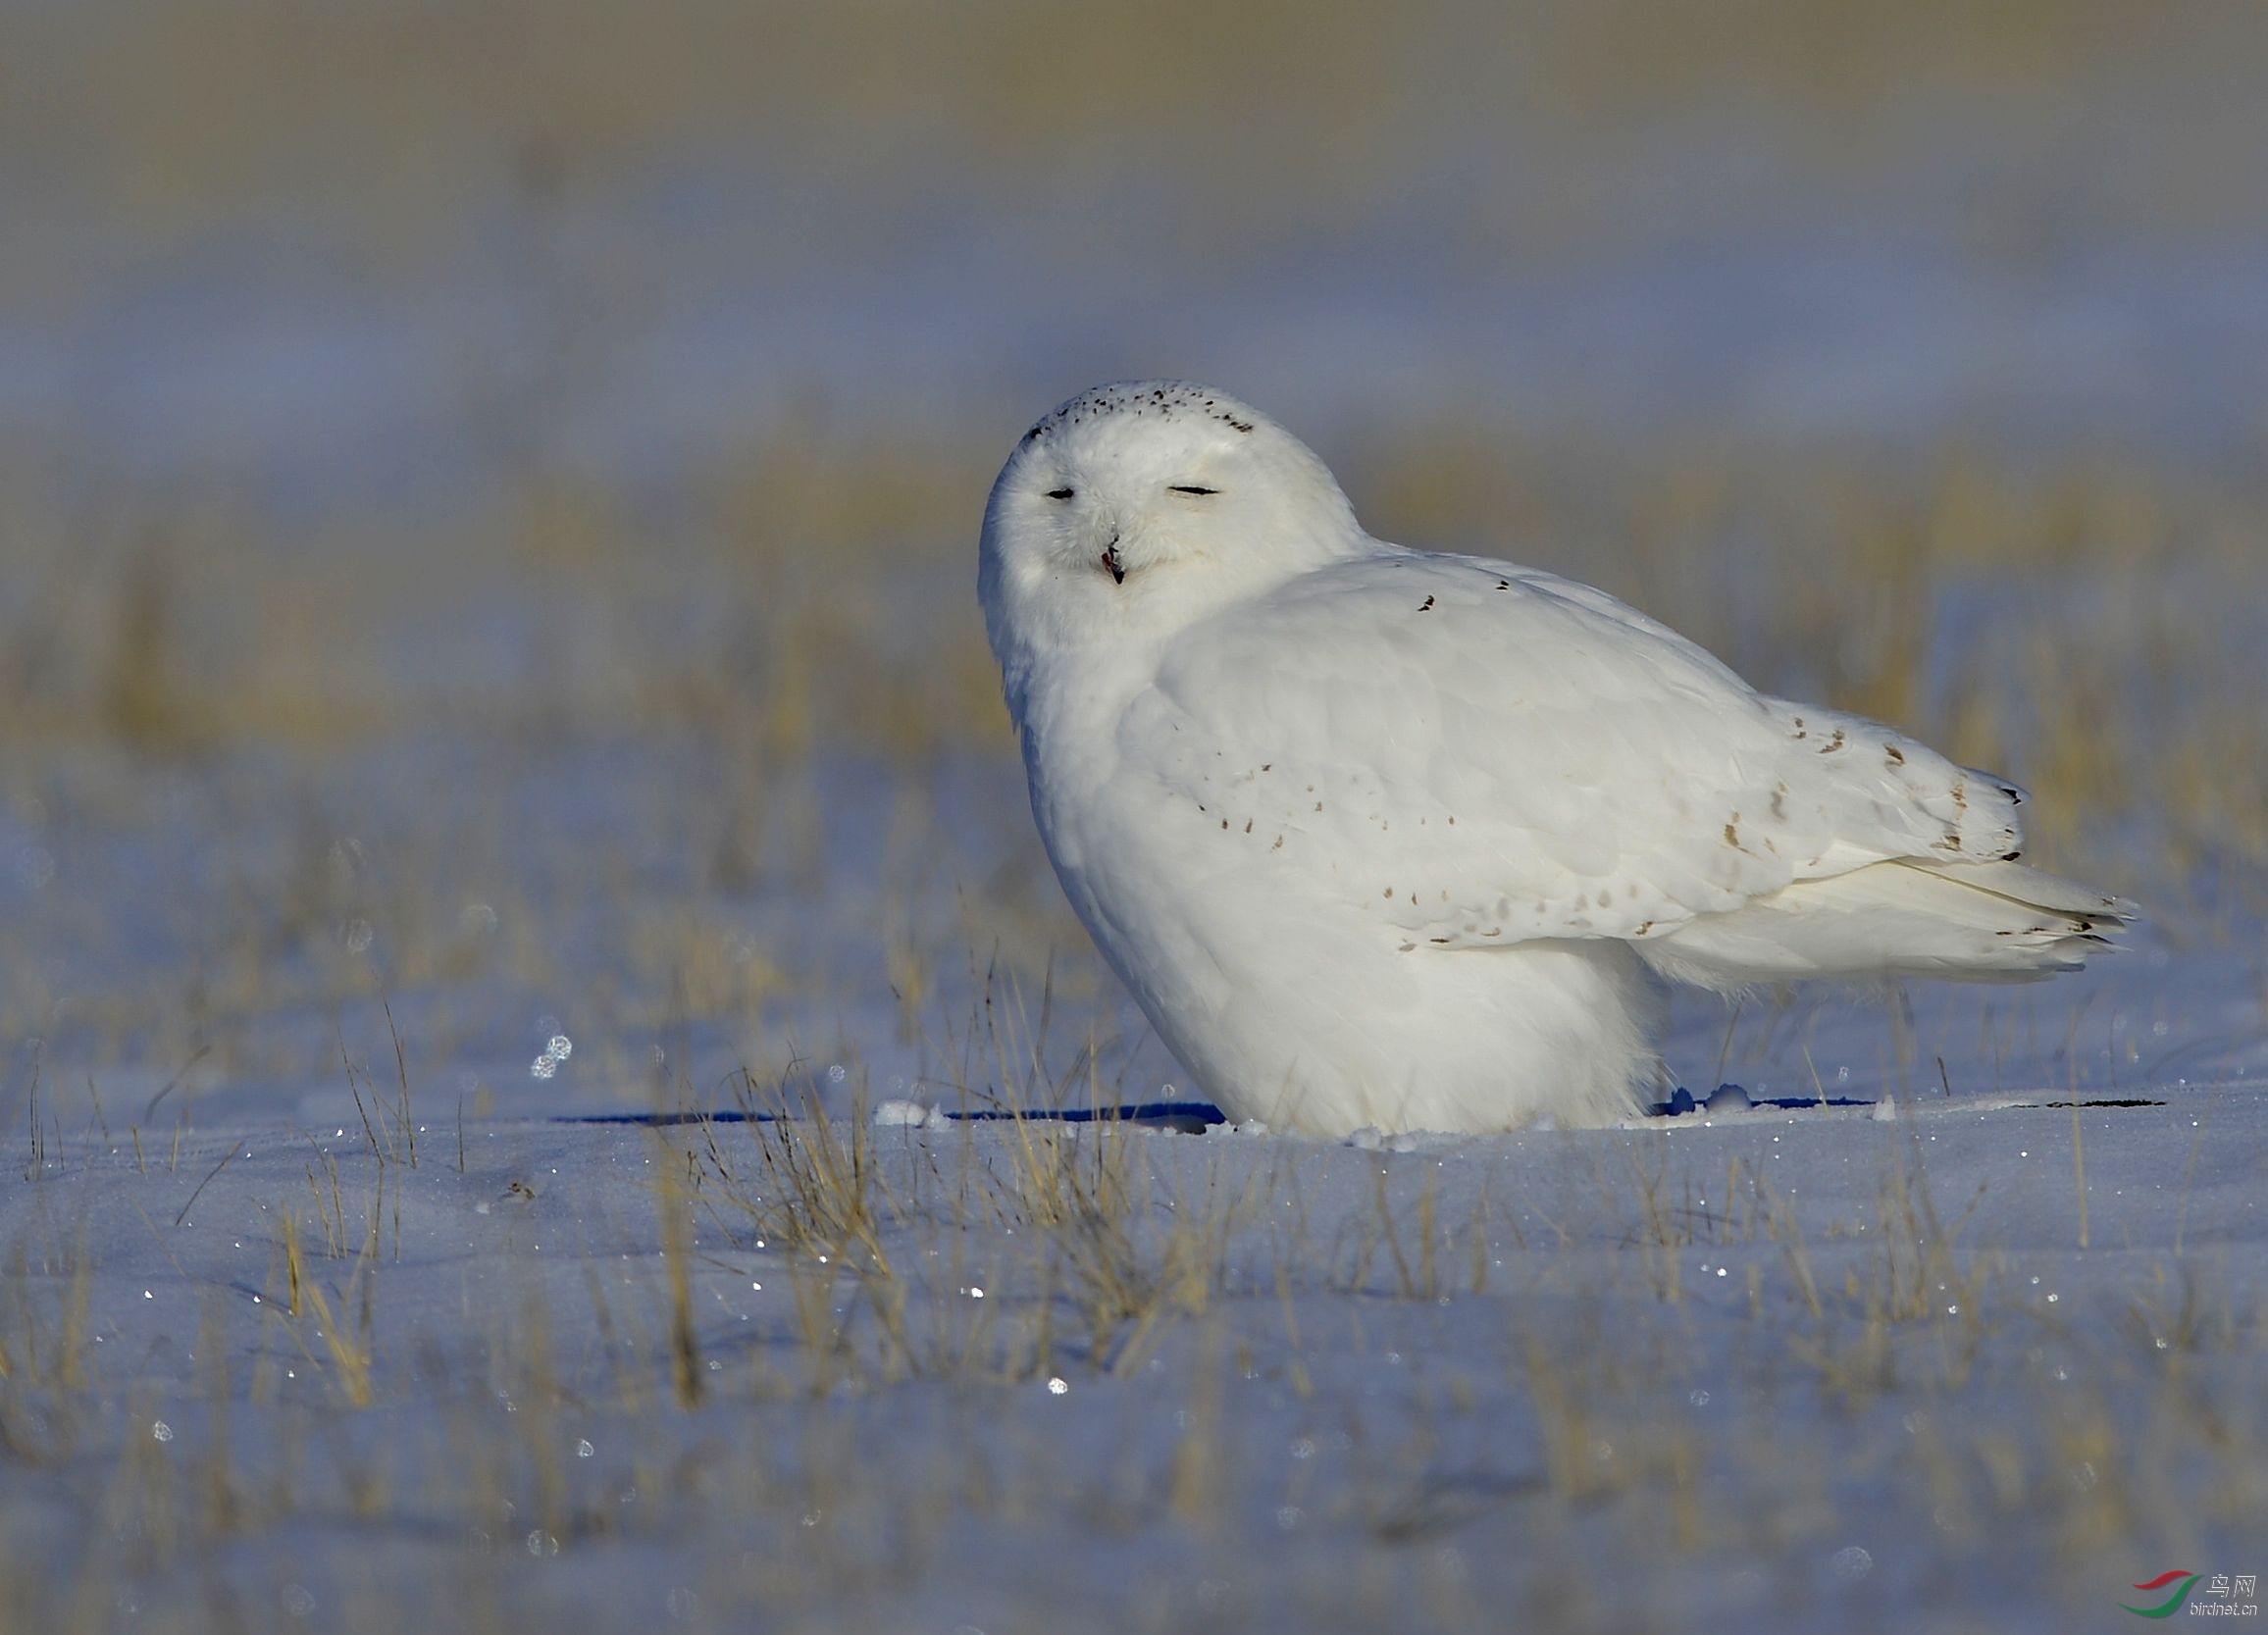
<point>1966,921</point>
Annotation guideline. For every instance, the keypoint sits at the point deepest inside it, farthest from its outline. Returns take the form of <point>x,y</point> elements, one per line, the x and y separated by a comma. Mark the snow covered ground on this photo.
<point>297,1332</point>
<point>1963,1333</point>
<point>1977,1362</point>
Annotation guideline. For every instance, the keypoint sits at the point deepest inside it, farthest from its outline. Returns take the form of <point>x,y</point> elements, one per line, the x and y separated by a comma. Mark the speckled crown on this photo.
<point>1164,398</point>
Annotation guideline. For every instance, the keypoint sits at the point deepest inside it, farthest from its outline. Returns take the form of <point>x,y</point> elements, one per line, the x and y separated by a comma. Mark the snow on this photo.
<point>911,1116</point>
<point>1971,1284</point>
<point>1722,1366</point>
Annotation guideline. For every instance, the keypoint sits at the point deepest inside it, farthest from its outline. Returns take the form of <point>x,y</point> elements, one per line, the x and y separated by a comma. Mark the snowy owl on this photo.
<point>1382,838</point>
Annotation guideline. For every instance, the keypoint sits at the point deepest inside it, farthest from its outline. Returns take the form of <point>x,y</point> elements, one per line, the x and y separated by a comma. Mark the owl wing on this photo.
<point>1482,754</point>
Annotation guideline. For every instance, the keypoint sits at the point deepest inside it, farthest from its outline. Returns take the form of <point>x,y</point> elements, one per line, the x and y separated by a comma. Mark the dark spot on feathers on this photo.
<point>1279,843</point>
<point>2012,856</point>
<point>1248,826</point>
<point>1425,606</point>
<point>1780,802</point>
<point>1224,823</point>
<point>1834,744</point>
<point>1893,754</point>
<point>1504,585</point>
<point>1732,833</point>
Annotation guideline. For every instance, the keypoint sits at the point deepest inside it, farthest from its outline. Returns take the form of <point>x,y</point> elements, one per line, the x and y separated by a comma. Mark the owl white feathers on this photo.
<point>1382,838</point>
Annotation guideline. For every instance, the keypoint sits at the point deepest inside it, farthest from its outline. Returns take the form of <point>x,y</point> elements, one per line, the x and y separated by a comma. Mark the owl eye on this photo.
<point>1061,494</point>
<point>1189,489</point>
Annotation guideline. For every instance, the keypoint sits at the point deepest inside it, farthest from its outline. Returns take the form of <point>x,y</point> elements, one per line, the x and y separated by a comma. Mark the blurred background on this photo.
<point>488,490</point>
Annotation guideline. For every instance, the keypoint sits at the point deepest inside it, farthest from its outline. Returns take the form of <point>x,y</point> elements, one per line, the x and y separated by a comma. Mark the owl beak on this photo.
<point>1110,561</point>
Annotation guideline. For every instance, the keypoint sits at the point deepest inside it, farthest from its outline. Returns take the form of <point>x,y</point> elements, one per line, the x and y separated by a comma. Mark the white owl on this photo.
<point>1382,838</point>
